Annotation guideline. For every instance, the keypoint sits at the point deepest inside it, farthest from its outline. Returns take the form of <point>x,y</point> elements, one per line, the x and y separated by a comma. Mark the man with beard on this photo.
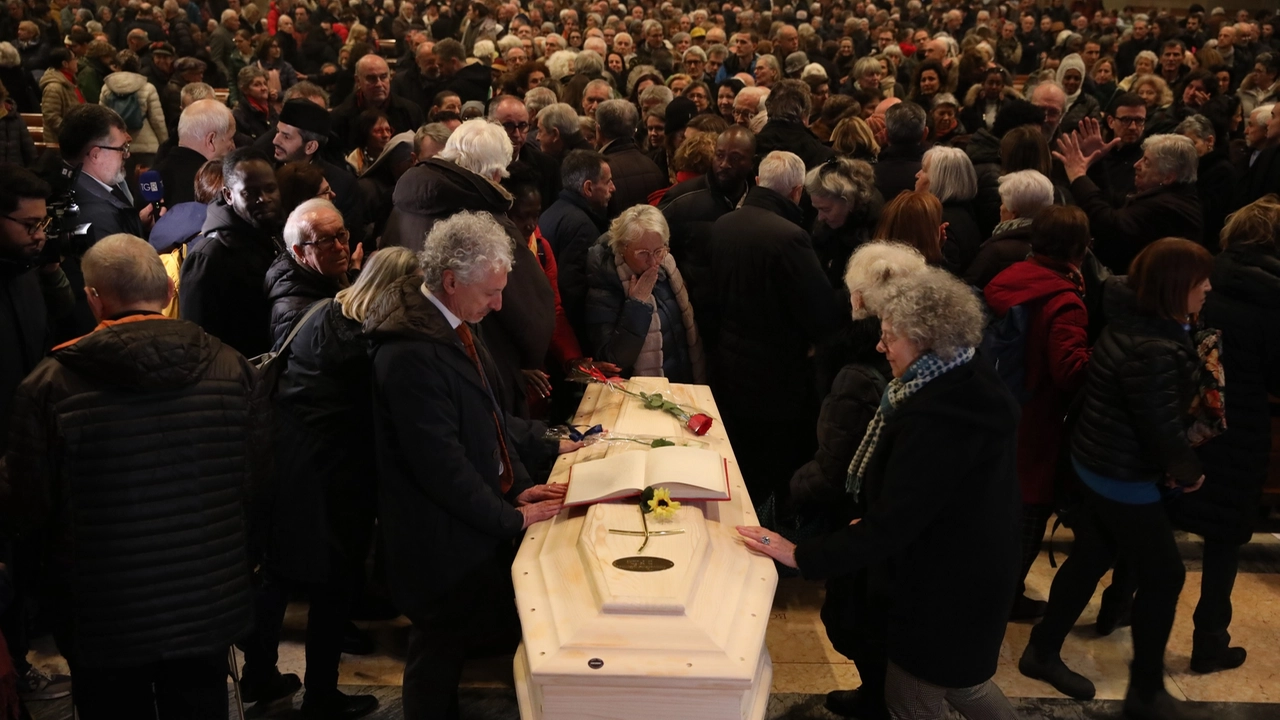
<point>30,294</point>
<point>420,82</point>
<point>301,135</point>
<point>94,137</point>
<point>1113,174</point>
<point>223,279</point>
<point>693,206</point>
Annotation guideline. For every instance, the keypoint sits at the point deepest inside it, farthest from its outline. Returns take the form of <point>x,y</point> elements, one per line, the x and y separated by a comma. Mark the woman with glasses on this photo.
<point>317,264</point>
<point>638,315</point>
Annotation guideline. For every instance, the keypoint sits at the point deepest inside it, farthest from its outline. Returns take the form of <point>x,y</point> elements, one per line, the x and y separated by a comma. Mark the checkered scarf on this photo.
<point>925,368</point>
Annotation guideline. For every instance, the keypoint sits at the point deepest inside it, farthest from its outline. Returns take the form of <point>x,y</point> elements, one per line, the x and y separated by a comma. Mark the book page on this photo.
<point>615,476</point>
<point>689,473</point>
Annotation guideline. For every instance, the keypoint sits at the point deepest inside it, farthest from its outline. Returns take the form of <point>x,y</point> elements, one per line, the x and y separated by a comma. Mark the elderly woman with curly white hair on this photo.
<point>638,315</point>
<point>940,536</point>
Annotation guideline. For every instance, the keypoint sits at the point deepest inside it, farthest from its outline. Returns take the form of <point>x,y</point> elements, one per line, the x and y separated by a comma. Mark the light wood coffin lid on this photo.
<point>700,624</point>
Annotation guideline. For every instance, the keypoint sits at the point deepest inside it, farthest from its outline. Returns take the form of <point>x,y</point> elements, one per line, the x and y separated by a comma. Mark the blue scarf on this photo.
<point>925,368</point>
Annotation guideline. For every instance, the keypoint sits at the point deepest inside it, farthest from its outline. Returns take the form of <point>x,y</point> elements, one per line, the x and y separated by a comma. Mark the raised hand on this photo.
<point>642,285</point>
<point>1073,159</point>
<point>1089,135</point>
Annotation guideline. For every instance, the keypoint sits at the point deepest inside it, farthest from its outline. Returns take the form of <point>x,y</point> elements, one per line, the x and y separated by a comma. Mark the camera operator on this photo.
<point>94,137</point>
<point>31,294</point>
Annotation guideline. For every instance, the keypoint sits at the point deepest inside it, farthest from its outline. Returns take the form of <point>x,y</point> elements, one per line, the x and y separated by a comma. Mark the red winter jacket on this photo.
<point>1057,356</point>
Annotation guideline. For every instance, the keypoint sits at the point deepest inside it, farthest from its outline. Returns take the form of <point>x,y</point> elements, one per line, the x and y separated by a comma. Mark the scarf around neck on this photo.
<point>924,369</point>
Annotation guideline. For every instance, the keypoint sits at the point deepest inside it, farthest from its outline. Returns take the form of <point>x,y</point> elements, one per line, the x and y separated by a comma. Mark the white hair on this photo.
<point>469,244</point>
<point>484,50</point>
<point>120,267</point>
<point>813,70</point>
<point>539,98</point>
<point>1025,192</point>
<point>481,147</point>
<point>560,116</point>
<point>300,227</point>
<point>1173,155</point>
<point>661,93</point>
<point>1261,115</point>
<point>202,118</point>
<point>781,172</point>
<point>596,45</point>
<point>872,266</point>
<point>632,225</point>
<point>951,174</point>
<point>508,42</point>
<point>227,15</point>
<point>934,310</point>
<point>560,64</point>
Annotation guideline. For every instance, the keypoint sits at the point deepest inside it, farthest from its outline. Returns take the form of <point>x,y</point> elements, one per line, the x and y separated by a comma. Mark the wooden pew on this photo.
<point>221,94</point>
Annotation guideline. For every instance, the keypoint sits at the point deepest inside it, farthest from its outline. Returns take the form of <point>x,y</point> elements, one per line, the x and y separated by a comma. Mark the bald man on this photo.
<point>373,90</point>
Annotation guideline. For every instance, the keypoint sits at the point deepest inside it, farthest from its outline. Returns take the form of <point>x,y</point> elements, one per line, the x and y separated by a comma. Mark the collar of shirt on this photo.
<point>454,320</point>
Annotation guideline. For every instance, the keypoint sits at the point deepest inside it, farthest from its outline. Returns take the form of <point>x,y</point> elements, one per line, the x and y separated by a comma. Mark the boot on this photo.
<point>1053,671</point>
<point>1211,652</point>
<point>1113,614</point>
<point>1025,609</point>
<point>857,704</point>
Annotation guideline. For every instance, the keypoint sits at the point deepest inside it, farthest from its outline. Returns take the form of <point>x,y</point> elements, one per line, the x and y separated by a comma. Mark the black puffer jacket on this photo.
<point>835,246</point>
<point>1245,306</point>
<point>16,145</point>
<point>572,226</point>
<point>1010,245</point>
<point>222,286</point>
<point>818,487</point>
<point>963,236</point>
<point>1120,233</point>
<point>135,451</point>
<point>1134,415</point>
<point>793,137</point>
<point>291,288</point>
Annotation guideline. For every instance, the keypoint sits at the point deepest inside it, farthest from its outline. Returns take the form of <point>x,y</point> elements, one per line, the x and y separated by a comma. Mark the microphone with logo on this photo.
<point>152,188</point>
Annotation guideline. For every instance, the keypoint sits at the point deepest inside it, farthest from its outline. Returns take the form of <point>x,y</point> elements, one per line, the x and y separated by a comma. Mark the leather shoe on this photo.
<point>857,704</point>
<point>1161,706</point>
<point>1056,673</point>
<point>1024,609</point>
<point>1112,616</point>
<point>338,706</point>
<point>356,641</point>
<point>1225,659</point>
<point>275,688</point>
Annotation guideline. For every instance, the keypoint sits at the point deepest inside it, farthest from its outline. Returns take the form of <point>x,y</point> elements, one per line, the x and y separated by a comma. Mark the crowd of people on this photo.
<point>950,269</point>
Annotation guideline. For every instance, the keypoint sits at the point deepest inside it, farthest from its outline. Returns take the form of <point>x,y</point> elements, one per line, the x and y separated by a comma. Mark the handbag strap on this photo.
<point>293,331</point>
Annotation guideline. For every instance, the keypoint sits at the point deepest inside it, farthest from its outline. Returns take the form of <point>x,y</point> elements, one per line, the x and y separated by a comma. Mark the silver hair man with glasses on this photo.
<point>94,138</point>
<point>452,491</point>
<point>318,263</point>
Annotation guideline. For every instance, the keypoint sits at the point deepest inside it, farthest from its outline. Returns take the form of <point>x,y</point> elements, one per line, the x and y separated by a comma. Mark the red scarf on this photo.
<point>72,79</point>
<point>260,107</point>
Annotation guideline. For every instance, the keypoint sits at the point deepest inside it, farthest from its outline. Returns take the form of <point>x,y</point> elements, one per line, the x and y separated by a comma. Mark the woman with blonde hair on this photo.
<point>322,510</point>
<point>1145,63</point>
<point>852,138</point>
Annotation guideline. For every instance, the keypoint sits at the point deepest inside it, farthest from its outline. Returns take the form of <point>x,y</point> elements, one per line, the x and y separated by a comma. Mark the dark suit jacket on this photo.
<point>896,169</point>
<point>178,171</point>
<point>105,213</point>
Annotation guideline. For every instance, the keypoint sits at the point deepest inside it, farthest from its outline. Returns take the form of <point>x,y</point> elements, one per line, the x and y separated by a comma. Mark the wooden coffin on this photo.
<point>603,642</point>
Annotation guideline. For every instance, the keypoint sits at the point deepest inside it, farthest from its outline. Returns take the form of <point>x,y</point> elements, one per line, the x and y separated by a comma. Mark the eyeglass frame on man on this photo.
<point>341,238</point>
<point>32,225</point>
<point>123,149</point>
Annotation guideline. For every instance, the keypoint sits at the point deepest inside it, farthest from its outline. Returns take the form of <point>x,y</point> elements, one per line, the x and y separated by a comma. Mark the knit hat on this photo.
<point>697,32</point>
<point>306,115</point>
<point>162,48</point>
<point>188,64</point>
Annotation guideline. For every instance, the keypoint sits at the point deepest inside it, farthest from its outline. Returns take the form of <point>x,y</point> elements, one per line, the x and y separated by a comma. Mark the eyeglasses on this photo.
<point>341,238</point>
<point>123,149</point>
<point>1131,120</point>
<point>33,227</point>
<point>644,255</point>
<point>516,127</point>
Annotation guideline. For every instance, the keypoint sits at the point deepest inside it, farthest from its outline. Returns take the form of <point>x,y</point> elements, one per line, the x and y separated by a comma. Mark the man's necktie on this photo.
<point>464,333</point>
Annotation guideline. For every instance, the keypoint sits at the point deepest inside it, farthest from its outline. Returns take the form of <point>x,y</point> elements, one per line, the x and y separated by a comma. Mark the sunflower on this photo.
<point>662,506</point>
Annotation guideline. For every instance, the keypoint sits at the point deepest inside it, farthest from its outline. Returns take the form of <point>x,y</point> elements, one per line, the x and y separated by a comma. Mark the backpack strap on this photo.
<point>297,325</point>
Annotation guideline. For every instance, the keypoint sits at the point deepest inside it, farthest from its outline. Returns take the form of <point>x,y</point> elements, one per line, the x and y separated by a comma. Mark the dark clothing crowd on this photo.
<point>953,272</point>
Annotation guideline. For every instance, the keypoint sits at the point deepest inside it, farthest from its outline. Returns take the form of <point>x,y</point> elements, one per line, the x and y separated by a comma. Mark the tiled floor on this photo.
<point>806,667</point>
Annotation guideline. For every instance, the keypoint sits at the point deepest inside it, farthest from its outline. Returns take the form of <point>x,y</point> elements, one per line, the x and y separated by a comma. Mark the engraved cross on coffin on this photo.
<point>602,641</point>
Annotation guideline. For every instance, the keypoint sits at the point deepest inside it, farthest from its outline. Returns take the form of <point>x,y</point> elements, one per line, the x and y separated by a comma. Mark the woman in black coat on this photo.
<point>936,470</point>
<point>1245,306</point>
<point>1129,449</point>
<point>948,174</point>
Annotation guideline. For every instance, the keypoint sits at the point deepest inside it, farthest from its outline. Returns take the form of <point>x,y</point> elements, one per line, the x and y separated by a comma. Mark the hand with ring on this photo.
<point>768,542</point>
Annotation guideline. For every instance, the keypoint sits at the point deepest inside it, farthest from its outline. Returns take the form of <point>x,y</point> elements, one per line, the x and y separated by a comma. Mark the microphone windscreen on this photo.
<point>152,186</point>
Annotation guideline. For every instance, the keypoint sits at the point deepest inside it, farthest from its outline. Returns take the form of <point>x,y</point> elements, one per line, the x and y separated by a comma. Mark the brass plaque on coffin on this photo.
<point>639,563</point>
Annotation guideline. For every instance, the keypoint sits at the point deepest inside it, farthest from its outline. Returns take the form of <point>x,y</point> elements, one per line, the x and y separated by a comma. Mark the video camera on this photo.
<point>65,236</point>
